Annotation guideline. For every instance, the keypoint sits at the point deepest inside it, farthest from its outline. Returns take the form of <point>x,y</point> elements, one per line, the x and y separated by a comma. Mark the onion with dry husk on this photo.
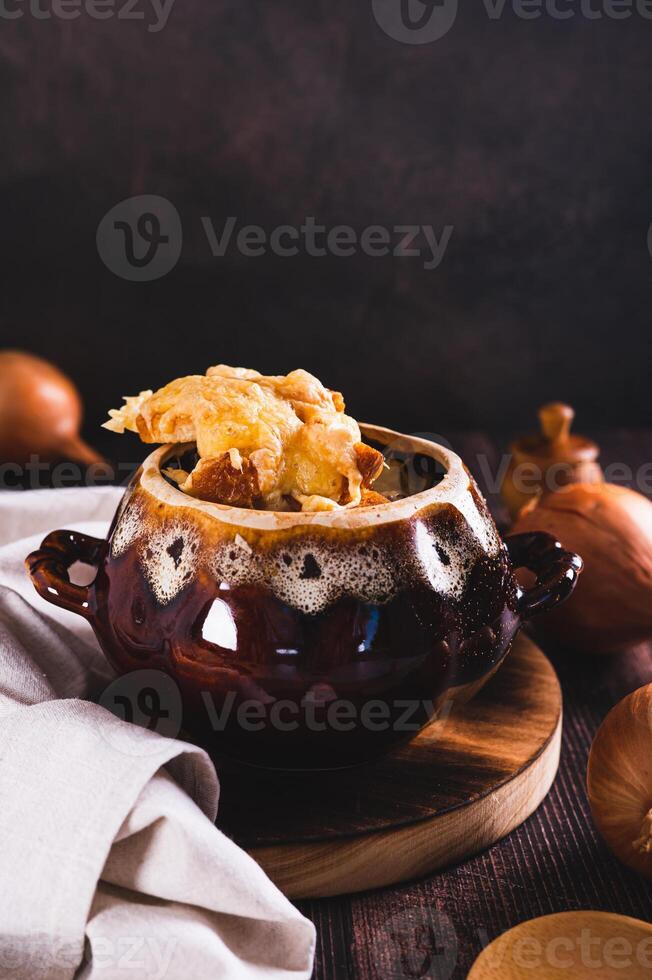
<point>40,412</point>
<point>611,528</point>
<point>582,945</point>
<point>619,780</point>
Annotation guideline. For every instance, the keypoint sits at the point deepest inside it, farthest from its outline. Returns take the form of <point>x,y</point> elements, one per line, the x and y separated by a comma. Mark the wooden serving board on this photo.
<point>459,786</point>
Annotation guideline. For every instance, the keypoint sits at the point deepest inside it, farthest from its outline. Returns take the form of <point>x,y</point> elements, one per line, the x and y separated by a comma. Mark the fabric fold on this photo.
<point>110,864</point>
<point>65,791</point>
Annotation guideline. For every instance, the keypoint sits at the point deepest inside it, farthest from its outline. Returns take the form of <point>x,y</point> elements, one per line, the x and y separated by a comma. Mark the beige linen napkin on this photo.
<point>110,865</point>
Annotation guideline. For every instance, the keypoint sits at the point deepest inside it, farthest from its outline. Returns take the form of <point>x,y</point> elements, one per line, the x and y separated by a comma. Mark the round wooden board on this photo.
<point>460,785</point>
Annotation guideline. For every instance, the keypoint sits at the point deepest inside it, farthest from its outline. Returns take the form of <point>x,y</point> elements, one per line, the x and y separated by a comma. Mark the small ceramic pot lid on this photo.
<point>555,443</point>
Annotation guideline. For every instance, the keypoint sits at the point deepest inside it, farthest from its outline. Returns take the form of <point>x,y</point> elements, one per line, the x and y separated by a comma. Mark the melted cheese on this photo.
<point>283,436</point>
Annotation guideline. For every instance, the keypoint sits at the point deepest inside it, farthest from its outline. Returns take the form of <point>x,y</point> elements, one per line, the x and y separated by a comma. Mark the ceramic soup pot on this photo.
<point>308,640</point>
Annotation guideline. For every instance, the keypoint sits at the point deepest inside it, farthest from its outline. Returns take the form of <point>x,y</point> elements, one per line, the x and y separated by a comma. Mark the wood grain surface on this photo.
<point>460,785</point>
<point>433,928</point>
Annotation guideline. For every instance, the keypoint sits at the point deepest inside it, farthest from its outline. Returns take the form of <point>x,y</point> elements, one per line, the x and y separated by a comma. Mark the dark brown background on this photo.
<point>532,138</point>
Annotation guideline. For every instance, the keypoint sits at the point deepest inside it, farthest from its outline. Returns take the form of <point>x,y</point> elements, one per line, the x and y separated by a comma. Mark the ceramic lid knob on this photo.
<point>555,442</point>
<point>556,420</point>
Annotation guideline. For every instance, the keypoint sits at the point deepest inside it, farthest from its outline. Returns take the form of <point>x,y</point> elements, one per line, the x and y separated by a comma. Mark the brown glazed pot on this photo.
<point>307,640</point>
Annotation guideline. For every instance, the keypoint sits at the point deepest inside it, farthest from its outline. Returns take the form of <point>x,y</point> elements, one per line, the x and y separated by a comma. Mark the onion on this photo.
<point>620,780</point>
<point>611,528</point>
<point>583,945</point>
<point>40,412</point>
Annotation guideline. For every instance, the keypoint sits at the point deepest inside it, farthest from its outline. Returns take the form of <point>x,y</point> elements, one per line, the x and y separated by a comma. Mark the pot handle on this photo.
<point>557,571</point>
<point>48,569</point>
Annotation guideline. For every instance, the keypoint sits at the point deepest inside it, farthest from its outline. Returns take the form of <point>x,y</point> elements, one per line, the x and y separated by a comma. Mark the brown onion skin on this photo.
<point>610,527</point>
<point>40,412</point>
<point>619,780</point>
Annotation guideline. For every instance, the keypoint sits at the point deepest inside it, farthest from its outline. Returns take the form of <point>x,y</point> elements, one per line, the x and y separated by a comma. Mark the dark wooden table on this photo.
<point>436,927</point>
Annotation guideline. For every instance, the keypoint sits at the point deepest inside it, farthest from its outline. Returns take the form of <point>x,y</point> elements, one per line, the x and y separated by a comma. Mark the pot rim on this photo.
<point>451,489</point>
